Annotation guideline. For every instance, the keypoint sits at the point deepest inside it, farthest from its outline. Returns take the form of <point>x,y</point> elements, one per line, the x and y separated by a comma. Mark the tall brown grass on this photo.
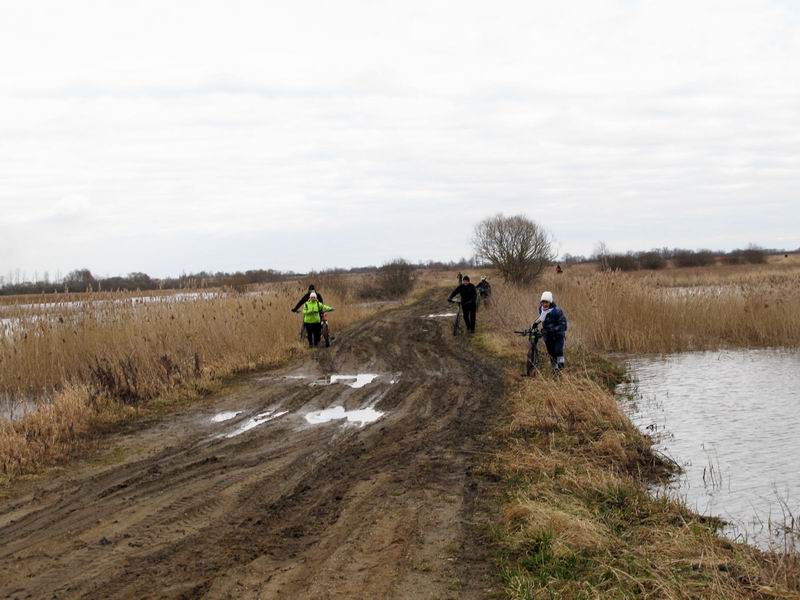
<point>678,310</point>
<point>77,360</point>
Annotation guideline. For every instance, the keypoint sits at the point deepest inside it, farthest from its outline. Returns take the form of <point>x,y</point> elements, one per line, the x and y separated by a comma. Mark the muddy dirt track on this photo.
<point>292,507</point>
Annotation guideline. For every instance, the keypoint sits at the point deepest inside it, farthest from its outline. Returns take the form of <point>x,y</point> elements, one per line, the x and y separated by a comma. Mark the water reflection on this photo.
<point>731,420</point>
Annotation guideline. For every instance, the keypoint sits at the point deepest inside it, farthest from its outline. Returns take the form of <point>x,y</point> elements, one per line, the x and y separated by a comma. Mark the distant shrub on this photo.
<point>692,258</point>
<point>652,260</point>
<point>622,262</point>
<point>396,278</point>
<point>393,280</point>
<point>734,257</point>
<point>754,255</point>
<point>751,255</point>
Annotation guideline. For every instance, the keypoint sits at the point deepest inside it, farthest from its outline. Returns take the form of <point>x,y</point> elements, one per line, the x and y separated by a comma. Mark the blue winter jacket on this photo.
<point>555,323</point>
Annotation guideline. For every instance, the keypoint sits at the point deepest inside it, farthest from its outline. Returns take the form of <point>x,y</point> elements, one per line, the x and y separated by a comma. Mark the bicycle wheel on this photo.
<point>326,334</point>
<point>457,323</point>
<point>532,362</point>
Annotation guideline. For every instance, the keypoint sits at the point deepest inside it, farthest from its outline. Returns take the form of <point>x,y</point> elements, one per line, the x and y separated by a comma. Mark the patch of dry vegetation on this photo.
<point>577,520</point>
<point>83,362</point>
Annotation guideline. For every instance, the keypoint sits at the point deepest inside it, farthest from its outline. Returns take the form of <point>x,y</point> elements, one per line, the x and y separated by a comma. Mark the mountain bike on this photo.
<point>533,358</point>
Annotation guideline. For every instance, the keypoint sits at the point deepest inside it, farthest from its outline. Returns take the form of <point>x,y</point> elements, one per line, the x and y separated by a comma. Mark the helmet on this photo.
<point>547,297</point>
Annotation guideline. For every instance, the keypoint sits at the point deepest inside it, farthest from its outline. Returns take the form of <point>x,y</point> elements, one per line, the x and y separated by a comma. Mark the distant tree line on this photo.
<point>82,280</point>
<point>659,258</point>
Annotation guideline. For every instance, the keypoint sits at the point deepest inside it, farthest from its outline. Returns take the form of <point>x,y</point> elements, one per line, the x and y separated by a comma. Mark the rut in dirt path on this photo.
<point>271,500</point>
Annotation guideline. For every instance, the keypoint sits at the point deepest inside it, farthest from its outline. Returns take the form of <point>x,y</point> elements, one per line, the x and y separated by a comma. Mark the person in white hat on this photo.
<point>554,328</point>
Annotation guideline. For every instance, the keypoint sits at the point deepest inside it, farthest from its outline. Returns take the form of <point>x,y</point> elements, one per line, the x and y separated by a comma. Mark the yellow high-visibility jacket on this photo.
<point>312,310</point>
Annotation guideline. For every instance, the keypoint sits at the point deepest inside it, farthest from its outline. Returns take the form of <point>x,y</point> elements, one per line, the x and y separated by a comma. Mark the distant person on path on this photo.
<point>554,328</point>
<point>468,294</point>
<point>559,270</point>
<point>460,278</point>
<point>484,289</point>
<point>305,298</point>
<point>313,312</point>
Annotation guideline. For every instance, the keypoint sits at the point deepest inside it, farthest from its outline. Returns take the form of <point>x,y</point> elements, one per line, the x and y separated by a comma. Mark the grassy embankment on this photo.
<point>577,520</point>
<point>91,364</point>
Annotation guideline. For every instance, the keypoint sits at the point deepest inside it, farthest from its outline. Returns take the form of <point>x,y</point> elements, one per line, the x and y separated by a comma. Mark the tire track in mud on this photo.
<point>286,509</point>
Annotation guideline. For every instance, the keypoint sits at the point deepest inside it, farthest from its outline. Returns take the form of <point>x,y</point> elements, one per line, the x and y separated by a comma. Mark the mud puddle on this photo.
<point>361,416</point>
<point>225,416</point>
<point>357,381</point>
<point>254,422</point>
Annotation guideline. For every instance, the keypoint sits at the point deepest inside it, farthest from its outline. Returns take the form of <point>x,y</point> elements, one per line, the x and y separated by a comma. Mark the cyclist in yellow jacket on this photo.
<point>313,313</point>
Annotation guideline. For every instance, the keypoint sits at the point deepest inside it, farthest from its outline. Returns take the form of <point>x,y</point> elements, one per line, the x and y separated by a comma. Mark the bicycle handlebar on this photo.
<point>529,331</point>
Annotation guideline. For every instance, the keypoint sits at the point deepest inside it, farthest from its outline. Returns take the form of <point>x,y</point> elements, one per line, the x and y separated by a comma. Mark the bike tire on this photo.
<point>457,323</point>
<point>532,361</point>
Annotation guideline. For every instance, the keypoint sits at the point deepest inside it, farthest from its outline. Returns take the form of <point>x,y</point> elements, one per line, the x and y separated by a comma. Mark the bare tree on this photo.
<point>600,254</point>
<point>516,246</point>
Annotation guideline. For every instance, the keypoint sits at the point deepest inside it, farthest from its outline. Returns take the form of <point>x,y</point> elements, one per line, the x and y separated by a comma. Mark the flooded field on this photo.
<point>731,420</point>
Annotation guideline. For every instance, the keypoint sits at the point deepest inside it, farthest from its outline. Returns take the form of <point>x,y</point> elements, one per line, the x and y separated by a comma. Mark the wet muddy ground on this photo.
<point>350,475</point>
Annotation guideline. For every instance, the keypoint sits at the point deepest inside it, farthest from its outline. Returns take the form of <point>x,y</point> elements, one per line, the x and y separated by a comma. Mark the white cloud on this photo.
<point>232,133</point>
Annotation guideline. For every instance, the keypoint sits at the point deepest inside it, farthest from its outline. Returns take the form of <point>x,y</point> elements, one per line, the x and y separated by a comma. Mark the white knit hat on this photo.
<point>547,297</point>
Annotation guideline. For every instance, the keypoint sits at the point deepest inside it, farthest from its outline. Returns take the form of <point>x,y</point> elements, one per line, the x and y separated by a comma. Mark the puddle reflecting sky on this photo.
<point>354,381</point>
<point>253,422</point>
<point>732,420</point>
<point>361,417</point>
<point>225,416</point>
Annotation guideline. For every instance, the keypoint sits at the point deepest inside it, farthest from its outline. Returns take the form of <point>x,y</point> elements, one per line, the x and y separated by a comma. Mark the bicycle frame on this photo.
<point>533,356</point>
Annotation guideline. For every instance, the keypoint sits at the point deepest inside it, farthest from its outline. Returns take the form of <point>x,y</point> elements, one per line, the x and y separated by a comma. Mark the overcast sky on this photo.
<point>169,136</point>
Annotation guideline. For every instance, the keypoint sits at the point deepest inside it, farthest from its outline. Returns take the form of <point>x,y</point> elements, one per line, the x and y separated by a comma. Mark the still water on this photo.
<point>732,420</point>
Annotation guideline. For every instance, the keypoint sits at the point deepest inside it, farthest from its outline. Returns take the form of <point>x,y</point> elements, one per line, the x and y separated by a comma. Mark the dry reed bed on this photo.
<point>84,362</point>
<point>617,312</point>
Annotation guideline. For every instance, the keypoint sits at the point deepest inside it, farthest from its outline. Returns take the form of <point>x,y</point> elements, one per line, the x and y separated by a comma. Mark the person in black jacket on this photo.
<point>468,294</point>
<point>305,298</point>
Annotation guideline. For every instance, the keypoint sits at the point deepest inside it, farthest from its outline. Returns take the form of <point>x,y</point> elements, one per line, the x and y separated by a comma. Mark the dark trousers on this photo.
<point>313,331</point>
<point>468,310</point>
<point>555,348</point>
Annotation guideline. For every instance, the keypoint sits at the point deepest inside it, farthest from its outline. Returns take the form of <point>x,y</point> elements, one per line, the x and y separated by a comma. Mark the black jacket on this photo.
<point>304,299</point>
<point>467,291</point>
